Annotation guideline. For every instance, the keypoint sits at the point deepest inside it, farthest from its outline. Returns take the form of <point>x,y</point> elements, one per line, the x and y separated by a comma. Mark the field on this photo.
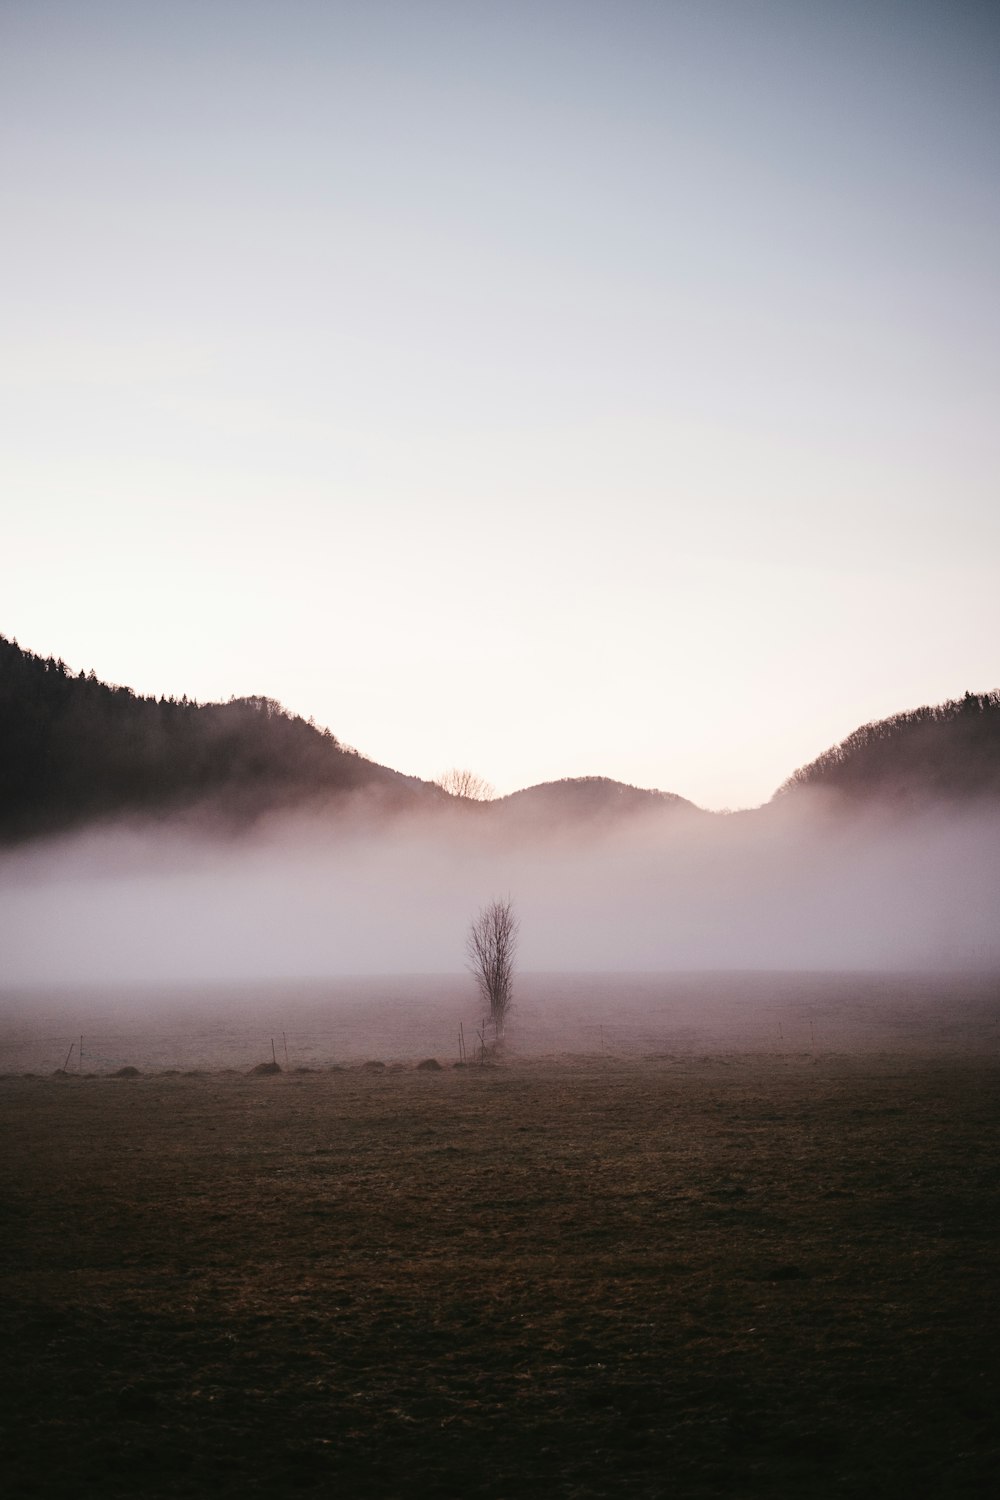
<point>660,1266</point>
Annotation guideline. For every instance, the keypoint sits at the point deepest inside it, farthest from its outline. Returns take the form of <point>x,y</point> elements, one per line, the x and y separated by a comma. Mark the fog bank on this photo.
<point>788,887</point>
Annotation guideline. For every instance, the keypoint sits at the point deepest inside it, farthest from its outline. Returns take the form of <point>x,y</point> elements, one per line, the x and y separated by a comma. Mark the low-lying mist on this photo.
<point>791,886</point>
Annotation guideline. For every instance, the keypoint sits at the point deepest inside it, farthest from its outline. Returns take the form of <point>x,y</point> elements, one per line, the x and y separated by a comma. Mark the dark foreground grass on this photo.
<point>677,1278</point>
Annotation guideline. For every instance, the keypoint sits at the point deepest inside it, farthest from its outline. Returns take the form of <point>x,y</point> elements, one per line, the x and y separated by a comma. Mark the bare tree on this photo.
<point>491,947</point>
<point>466,784</point>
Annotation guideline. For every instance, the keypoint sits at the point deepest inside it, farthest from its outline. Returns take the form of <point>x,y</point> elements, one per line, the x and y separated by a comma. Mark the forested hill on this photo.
<point>73,749</point>
<point>587,800</point>
<point>945,754</point>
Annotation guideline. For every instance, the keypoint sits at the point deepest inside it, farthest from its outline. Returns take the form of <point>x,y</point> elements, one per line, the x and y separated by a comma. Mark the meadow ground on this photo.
<point>679,1274</point>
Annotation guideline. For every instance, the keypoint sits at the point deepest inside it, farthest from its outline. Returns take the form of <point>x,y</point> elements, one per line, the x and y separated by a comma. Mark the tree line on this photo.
<point>946,752</point>
<point>73,749</point>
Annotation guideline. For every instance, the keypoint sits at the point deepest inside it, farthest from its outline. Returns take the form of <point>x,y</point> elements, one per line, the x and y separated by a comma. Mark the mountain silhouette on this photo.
<point>74,750</point>
<point>946,753</point>
<point>586,799</point>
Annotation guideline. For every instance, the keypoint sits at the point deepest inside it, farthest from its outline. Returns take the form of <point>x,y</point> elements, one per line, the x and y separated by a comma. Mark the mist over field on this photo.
<point>790,886</point>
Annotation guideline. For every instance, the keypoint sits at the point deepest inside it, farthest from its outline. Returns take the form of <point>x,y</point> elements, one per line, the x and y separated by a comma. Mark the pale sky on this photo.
<point>547,388</point>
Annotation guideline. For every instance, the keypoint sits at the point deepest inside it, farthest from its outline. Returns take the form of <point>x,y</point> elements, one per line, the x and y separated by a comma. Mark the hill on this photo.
<point>947,753</point>
<point>73,749</point>
<point>586,799</point>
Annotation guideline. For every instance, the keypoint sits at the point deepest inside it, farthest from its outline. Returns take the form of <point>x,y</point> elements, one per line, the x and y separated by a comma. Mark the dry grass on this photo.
<point>681,1276</point>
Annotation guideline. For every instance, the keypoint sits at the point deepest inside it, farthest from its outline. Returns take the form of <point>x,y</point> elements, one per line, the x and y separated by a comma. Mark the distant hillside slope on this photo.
<point>947,753</point>
<point>73,749</point>
<point>586,799</point>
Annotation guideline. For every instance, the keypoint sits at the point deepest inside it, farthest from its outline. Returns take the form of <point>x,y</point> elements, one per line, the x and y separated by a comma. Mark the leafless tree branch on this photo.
<point>467,784</point>
<point>491,947</point>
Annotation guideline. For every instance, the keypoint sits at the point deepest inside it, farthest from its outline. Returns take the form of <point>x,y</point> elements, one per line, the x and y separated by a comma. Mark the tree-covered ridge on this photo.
<point>73,749</point>
<point>944,753</point>
<point>587,797</point>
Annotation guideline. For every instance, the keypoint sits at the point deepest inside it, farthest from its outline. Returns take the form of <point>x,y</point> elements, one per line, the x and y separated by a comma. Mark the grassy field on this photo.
<point>646,1276</point>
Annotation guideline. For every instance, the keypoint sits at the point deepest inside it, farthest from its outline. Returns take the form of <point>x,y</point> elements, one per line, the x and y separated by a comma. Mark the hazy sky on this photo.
<point>549,388</point>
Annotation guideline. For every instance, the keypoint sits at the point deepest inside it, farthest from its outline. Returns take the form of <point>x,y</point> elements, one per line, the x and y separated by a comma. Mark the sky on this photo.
<point>547,388</point>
